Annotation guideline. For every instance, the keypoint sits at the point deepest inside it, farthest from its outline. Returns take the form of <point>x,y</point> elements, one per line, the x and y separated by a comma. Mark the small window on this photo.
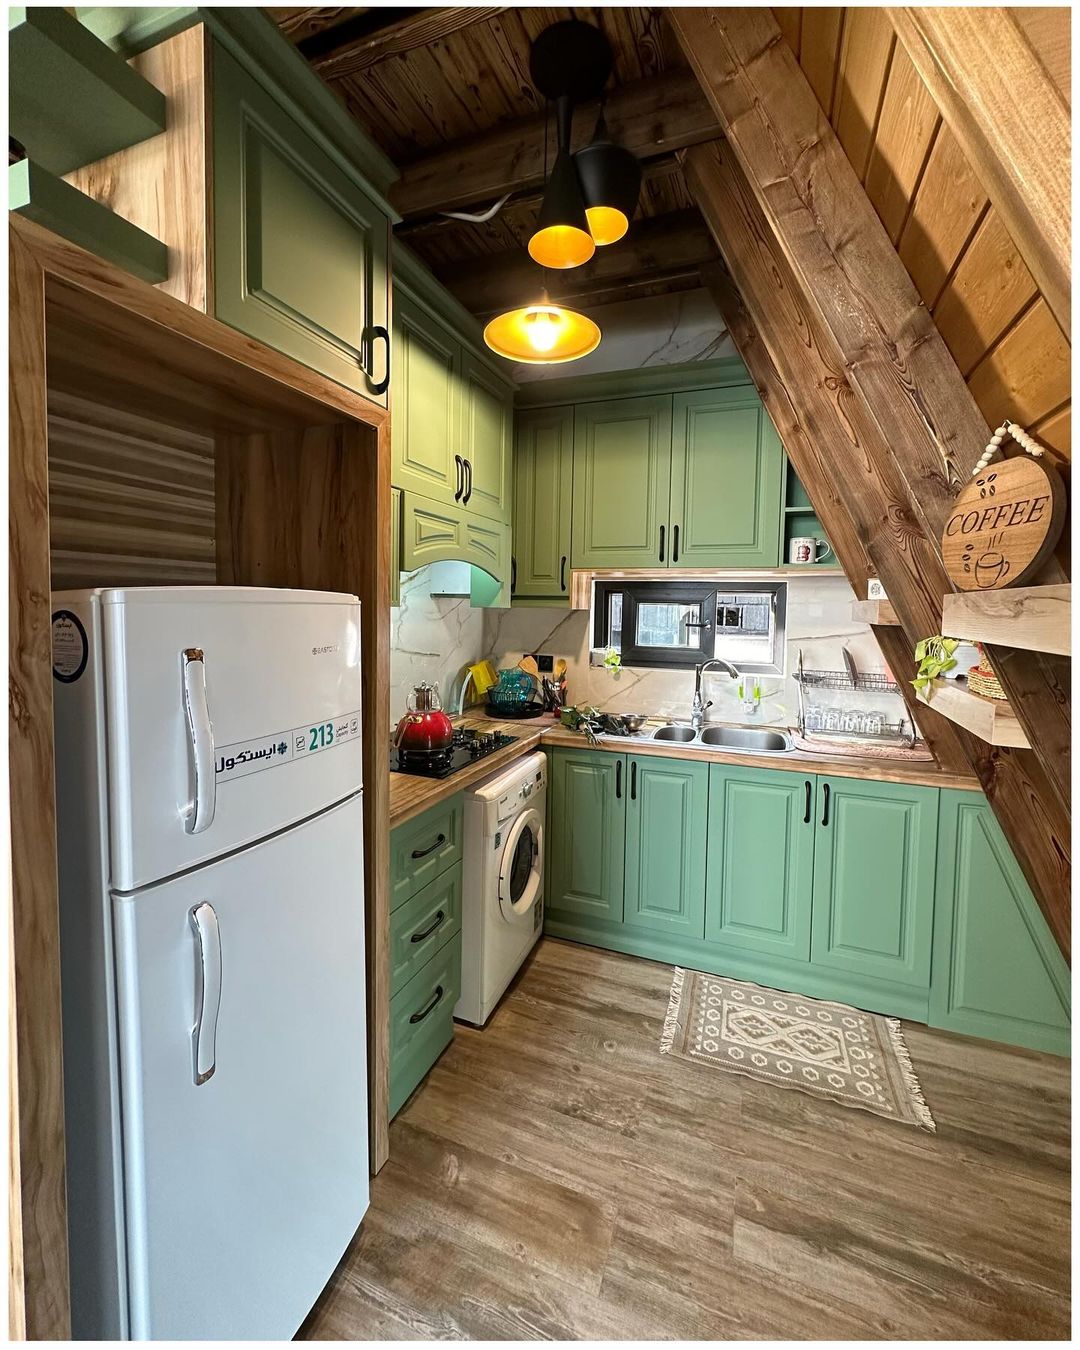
<point>681,623</point>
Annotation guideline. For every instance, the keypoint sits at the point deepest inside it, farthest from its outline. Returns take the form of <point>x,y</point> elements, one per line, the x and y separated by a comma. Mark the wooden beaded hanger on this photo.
<point>1019,435</point>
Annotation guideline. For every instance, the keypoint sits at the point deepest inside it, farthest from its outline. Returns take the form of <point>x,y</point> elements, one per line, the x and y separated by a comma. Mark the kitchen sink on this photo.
<point>744,738</point>
<point>674,733</point>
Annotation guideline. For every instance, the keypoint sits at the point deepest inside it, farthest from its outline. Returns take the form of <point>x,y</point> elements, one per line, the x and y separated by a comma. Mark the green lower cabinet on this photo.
<point>422,1020</point>
<point>874,862</point>
<point>667,817</point>
<point>997,970</point>
<point>760,882</point>
<point>420,926</point>
<point>587,829</point>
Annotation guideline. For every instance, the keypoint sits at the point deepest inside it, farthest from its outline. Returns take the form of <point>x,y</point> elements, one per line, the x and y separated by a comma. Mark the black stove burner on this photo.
<point>466,748</point>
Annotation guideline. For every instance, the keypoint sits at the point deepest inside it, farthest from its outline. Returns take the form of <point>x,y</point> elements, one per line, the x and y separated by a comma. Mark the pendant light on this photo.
<point>610,178</point>
<point>542,334</point>
<point>561,238</point>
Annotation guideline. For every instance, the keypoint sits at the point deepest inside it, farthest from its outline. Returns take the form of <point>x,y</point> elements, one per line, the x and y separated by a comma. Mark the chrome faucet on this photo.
<point>697,708</point>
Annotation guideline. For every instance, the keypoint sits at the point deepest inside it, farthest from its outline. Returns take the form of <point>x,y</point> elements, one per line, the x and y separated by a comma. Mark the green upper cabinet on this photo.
<point>395,546</point>
<point>487,416</point>
<point>874,861</point>
<point>587,828</point>
<point>759,888</point>
<point>543,502</point>
<point>727,470</point>
<point>426,394</point>
<point>666,831</point>
<point>622,469</point>
<point>300,250</point>
<point>997,970</point>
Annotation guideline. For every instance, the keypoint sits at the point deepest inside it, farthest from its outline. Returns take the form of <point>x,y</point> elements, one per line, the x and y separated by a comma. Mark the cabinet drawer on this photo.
<point>423,848</point>
<point>422,1021</point>
<point>420,926</point>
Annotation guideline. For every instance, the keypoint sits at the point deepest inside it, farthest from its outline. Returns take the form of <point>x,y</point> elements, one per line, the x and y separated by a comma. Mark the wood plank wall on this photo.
<point>1009,348</point>
<point>131,501</point>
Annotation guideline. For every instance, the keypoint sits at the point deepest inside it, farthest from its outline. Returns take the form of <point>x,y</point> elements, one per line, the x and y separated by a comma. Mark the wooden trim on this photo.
<point>877,612</point>
<point>1036,618</point>
<point>1011,122</point>
<point>581,579</point>
<point>682,378</point>
<point>992,720</point>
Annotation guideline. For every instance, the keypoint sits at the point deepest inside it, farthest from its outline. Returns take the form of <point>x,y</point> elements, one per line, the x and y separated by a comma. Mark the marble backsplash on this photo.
<point>431,638</point>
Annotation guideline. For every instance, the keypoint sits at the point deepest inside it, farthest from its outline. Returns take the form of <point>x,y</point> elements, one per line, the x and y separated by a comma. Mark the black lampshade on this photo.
<point>610,179</point>
<point>562,238</point>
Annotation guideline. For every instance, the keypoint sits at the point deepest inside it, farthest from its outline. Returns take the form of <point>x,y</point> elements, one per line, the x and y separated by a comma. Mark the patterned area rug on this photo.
<point>827,1049</point>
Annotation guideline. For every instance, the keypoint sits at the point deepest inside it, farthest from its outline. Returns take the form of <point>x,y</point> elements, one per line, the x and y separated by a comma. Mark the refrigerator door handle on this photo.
<point>204,921</point>
<point>201,731</point>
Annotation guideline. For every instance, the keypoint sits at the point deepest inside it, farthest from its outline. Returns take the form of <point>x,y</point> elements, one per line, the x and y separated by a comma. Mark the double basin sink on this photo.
<point>761,739</point>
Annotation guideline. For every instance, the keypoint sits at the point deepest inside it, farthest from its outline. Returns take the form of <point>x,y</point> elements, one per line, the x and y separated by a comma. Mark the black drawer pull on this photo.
<point>562,573</point>
<point>633,780</point>
<point>424,1012</point>
<point>825,813</point>
<point>423,852</point>
<point>809,792</point>
<point>419,937</point>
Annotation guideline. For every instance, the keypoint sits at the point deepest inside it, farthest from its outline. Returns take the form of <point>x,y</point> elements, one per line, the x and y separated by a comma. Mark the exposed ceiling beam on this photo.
<point>356,45</point>
<point>649,117</point>
<point>1012,124</point>
<point>299,23</point>
<point>913,423</point>
<point>668,246</point>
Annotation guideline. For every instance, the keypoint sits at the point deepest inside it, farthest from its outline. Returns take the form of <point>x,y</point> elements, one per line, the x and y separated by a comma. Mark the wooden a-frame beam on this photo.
<point>340,55</point>
<point>906,402</point>
<point>1012,124</point>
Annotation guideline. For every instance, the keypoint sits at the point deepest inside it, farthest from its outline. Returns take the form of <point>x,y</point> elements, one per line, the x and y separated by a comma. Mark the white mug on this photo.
<point>803,549</point>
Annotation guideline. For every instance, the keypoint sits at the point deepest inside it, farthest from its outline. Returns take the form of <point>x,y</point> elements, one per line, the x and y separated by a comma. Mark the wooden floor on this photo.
<point>556,1177</point>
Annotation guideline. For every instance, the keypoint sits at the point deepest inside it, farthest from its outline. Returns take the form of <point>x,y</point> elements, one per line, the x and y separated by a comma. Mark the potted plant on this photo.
<point>935,656</point>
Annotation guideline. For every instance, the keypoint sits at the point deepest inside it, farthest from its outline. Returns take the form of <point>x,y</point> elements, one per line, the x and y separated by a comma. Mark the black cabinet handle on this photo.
<point>809,794</point>
<point>618,778</point>
<point>562,573</point>
<point>419,1016</point>
<point>380,386</point>
<point>825,812</point>
<point>419,937</point>
<point>513,573</point>
<point>468,476</point>
<point>661,543</point>
<point>460,477</point>
<point>633,780</point>
<point>675,544</point>
<point>423,852</point>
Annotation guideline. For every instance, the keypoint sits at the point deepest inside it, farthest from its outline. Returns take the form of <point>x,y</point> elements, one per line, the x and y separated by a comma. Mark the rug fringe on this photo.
<point>911,1082</point>
<point>671,1021</point>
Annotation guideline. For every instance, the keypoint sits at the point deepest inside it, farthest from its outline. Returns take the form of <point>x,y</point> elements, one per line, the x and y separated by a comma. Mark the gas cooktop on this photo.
<point>467,747</point>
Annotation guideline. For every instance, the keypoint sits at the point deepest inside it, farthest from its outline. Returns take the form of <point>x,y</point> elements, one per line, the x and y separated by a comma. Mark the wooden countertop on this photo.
<point>410,795</point>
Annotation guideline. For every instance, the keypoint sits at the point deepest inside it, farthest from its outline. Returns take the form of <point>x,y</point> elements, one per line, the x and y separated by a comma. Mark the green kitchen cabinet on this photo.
<point>875,850</point>
<point>395,546</point>
<point>300,250</point>
<point>426,436</point>
<point>727,478</point>
<point>997,970</point>
<point>433,532</point>
<point>543,503</point>
<point>587,830</point>
<point>622,471</point>
<point>667,818</point>
<point>485,440</point>
<point>760,882</point>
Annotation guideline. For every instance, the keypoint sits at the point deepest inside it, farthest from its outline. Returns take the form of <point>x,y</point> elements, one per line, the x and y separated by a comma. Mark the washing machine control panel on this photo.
<point>515,798</point>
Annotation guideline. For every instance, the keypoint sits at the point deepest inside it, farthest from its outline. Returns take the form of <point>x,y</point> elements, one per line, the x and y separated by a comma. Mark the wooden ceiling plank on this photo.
<point>864,68</point>
<point>903,380</point>
<point>990,287</point>
<point>1028,373</point>
<point>1012,124</point>
<point>649,117</point>
<point>789,19</point>
<point>905,133</point>
<point>300,23</point>
<point>819,51</point>
<point>419,29</point>
<point>948,206</point>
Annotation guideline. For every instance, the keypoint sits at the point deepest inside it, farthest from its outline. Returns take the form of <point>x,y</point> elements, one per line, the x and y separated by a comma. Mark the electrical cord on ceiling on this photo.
<point>480,217</point>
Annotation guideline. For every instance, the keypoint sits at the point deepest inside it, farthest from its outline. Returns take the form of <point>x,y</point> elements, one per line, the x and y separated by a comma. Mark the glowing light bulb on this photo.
<point>542,328</point>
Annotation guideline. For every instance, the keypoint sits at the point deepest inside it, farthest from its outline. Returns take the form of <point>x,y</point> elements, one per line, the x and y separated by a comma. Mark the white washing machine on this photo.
<point>502,907</point>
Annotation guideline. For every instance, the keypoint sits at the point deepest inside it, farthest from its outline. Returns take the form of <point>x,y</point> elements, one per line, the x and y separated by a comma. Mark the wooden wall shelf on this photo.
<point>1036,618</point>
<point>879,612</point>
<point>990,719</point>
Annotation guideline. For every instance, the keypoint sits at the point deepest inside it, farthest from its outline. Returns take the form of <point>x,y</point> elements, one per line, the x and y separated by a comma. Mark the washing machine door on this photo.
<point>521,866</point>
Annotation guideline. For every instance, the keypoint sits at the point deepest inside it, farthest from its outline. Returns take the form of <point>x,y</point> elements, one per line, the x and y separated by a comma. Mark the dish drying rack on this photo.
<point>900,732</point>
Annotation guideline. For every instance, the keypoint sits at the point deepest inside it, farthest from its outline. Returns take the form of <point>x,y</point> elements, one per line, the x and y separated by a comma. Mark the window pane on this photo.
<point>615,621</point>
<point>671,625</point>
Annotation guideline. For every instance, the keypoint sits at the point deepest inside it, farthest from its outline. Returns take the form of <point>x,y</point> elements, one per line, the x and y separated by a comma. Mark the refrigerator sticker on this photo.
<point>244,757</point>
<point>70,648</point>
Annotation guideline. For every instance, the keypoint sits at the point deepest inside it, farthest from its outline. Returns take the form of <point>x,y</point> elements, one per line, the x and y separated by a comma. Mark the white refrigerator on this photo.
<point>209,800</point>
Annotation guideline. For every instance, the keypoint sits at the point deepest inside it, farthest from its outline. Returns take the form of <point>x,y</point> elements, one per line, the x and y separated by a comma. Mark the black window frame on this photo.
<point>634,593</point>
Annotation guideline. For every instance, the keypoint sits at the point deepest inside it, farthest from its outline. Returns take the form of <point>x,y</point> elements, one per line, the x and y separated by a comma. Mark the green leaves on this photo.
<point>935,657</point>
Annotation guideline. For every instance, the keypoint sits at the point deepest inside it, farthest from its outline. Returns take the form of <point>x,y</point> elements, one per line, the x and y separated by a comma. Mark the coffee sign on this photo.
<point>1003,524</point>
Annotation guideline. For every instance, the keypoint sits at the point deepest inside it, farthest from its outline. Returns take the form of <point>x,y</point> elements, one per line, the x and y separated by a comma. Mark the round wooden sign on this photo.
<point>1003,524</point>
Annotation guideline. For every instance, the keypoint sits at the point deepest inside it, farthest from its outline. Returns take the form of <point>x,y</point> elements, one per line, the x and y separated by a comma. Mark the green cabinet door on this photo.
<point>300,251</point>
<point>875,850</point>
<point>760,867</point>
<point>435,532</point>
<point>727,471</point>
<point>426,440</point>
<point>622,473</point>
<point>484,439</point>
<point>997,970</point>
<point>543,502</point>
<point>587,829</point>
<point>666,830</point>
<point>395,546</point>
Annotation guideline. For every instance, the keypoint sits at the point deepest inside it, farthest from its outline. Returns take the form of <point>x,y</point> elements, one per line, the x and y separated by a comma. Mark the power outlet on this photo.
<point>544,664</point>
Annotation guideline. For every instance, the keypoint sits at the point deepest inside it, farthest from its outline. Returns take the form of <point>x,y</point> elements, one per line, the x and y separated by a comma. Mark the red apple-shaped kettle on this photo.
<point>425,727</point>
